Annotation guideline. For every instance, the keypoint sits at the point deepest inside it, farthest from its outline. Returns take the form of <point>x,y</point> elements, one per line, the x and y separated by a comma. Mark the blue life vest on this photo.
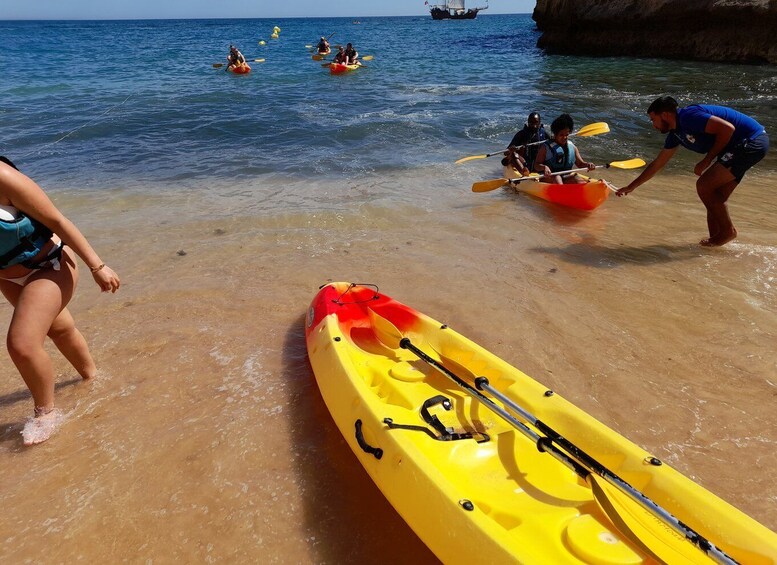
<point>557,159</point>
<point>21,240</point>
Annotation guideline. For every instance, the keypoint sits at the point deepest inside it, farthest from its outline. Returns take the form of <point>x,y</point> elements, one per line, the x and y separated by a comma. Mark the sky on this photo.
<point>156,9</point>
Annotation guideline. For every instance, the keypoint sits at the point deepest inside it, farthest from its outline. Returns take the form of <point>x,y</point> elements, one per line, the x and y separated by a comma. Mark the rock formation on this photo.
<point>743,31</point>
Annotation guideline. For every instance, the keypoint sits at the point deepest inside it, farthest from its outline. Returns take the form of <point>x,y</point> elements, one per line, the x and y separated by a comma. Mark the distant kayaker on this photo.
<point>323,46</point>
<point>559,154</point>
<point>533,131</point>
<point>339,56</point>
<point>235,58</point>
<point>350,55</point>
<point>732,143</point>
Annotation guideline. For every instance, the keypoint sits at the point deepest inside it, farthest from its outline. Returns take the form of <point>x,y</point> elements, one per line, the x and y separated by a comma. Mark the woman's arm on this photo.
<point>25,195</point>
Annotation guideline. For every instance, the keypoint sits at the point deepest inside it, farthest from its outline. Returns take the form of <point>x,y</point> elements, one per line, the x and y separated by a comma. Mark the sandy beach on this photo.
<point>205,438</point>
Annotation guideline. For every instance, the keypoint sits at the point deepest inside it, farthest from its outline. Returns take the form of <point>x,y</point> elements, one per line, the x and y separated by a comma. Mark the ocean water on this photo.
<point>225,201</point>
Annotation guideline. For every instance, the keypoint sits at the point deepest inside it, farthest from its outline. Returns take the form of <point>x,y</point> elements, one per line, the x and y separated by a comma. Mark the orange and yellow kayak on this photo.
<point>479,488</point>
<point>240,70</point>
<point>583,196</point>
<point>339,68</point>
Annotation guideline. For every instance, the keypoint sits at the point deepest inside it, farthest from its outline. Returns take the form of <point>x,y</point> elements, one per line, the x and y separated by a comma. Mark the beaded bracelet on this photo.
<point>97,268</point>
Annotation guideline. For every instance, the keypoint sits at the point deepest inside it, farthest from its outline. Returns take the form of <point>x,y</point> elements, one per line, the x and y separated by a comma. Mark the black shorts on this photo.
<point>744,155</point>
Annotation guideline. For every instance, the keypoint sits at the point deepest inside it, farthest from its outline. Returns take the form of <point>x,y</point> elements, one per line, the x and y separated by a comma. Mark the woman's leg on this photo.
<point>38,309</point>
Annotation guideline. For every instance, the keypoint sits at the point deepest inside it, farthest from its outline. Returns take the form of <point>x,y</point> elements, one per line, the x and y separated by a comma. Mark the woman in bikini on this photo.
<point>38,276</point>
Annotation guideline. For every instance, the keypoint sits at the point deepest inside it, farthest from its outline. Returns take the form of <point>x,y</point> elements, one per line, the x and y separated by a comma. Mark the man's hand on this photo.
<point>702,166</point>
<point>625,190</point>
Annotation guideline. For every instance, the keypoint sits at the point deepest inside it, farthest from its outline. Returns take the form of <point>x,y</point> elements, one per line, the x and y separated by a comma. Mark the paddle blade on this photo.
<point>218,65</point>
<point>630,164</point>
<point>258,60</point>
<point>318,57</point>
<point>308,47</point>
<point>645,530</point>
<point>593,129</point>
<point>368,58</point>
<point>386,332</point>
<point>488,185</point>
<point>470,158</point>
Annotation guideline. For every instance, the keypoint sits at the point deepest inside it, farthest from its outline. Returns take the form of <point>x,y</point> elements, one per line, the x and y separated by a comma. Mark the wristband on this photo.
<point>97,268</point>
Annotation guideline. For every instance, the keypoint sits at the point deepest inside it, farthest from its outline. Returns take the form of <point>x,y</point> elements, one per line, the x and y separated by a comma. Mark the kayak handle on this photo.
<point>377,452</point>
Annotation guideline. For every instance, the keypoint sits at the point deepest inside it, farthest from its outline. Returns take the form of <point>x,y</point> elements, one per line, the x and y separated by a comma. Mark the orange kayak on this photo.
<point>339,68</point>
<point>583,195</point>
<point>241,70</point>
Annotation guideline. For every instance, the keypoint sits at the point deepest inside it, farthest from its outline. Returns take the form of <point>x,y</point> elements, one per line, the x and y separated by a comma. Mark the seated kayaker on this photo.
<point>533,131</point>
<point>235,58</point>
<point>559,154</point>
<point>339,56</point>
<point>323,46</point>
<point>350,55</point>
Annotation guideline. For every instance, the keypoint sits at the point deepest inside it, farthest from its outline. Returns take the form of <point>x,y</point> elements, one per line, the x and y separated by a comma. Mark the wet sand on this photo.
<point>205,437</point>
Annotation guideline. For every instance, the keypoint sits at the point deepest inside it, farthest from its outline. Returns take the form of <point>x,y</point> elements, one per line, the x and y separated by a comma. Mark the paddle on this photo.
<point>573,457</point>
<point>585,131</point>
<point>488,185</point>
<point>219,65</point>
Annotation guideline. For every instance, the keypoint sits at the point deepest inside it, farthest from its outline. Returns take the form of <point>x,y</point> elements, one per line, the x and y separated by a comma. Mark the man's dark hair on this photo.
<point>564,121</point>
<point>535,115</point>
<point>663,104</point>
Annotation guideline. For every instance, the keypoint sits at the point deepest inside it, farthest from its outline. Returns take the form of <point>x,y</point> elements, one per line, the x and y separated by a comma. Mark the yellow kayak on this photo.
<point>487,465</point>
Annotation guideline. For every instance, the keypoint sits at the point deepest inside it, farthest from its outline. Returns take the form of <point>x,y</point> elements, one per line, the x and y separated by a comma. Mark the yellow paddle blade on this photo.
<point>308,47</point>
<point>386,332</point>
<point>630,164</point>
<point>218,65</point>
<point>470,158</point>
<point>258,60</point>
<point>488,185</point>
<point>648,532</point>
<point>593,129</point>
<point>318,57</point>
<point>368,58</point>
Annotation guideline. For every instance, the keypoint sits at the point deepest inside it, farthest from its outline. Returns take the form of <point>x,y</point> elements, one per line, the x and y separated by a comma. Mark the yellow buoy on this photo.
<point>262,42</point>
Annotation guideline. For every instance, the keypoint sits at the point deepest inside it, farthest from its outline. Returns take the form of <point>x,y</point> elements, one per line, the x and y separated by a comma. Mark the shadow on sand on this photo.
<point>603,257</point>
<point>347,515</point>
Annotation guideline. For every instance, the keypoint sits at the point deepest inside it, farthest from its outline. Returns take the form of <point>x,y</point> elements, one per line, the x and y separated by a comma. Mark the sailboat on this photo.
<point>454,10</point>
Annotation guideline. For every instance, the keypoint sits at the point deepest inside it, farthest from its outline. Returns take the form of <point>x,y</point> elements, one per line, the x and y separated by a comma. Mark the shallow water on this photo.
<point>205,437</point>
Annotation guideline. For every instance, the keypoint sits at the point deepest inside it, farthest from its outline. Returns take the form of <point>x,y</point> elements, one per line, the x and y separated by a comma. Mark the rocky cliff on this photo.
<point>742,31</point>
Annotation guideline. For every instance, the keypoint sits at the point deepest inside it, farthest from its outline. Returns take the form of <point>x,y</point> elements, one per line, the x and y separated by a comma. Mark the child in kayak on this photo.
<point>560,154</point>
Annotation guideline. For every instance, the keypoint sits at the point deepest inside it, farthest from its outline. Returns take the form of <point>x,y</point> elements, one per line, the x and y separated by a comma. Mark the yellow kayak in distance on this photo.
<point>487,465</point>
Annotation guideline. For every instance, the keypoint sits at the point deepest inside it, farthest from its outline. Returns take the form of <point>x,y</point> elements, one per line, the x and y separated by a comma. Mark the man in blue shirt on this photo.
<point>732,143</point>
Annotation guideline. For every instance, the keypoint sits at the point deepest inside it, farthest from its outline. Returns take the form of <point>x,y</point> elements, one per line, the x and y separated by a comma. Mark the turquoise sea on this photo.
<point>120,103</point>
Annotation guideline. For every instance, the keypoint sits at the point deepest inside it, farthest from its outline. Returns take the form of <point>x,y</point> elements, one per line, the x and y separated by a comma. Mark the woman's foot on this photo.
<point>42,427</point>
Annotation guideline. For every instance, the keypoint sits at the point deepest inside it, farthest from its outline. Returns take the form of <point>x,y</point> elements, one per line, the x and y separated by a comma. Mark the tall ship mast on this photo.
<point>454,10</point>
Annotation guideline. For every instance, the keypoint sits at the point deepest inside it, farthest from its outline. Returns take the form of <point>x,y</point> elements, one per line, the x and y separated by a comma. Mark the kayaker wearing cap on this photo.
<point>350,55</point>
<point>323,46</point>
<point>339,56</point>
<point>532,132</point>
<point>560,154</point>
<point>235,58</point>
<point>733,140</point>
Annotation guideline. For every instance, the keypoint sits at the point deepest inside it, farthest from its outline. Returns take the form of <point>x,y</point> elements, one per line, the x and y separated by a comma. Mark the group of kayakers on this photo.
<point>730,141</point>
<point>344,56</point>
<point>533,151</point>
